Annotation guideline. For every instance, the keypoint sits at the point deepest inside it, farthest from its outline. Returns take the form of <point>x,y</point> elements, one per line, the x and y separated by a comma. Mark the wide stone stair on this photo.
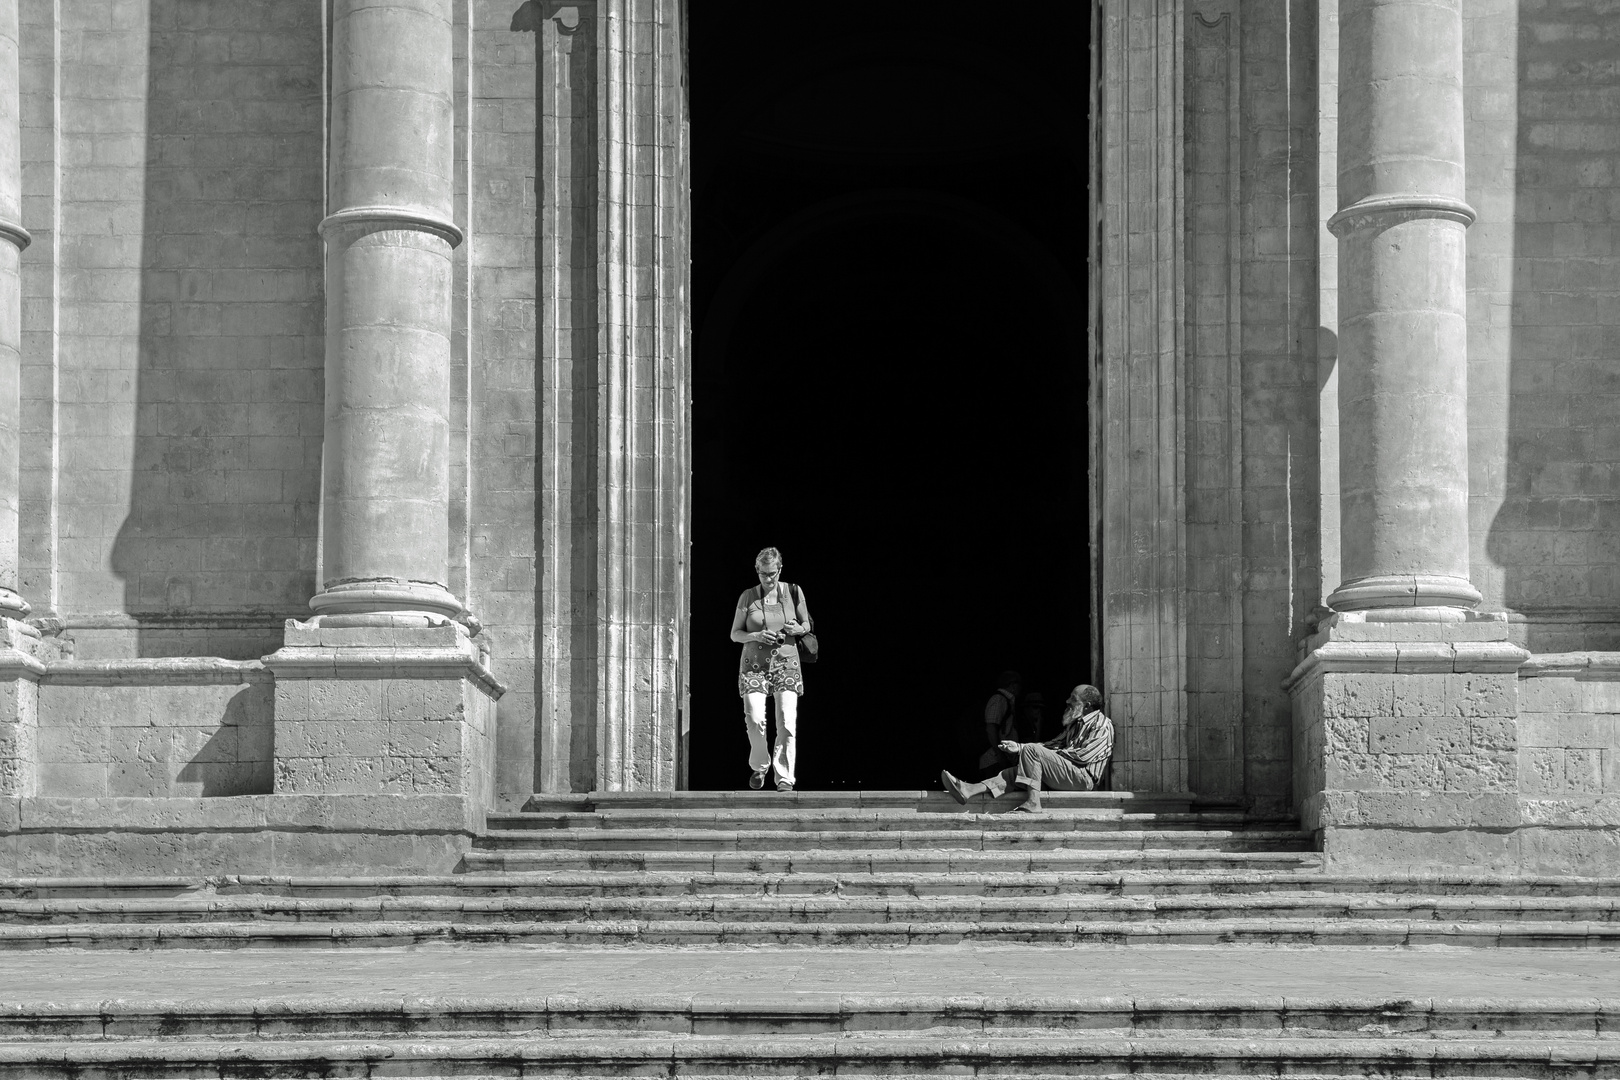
<point>822,934</point>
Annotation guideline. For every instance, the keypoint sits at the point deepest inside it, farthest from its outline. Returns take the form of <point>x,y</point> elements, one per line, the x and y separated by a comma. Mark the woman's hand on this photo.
<point>1008,746</point>
<point>767,637</point>
<point>794,629</point>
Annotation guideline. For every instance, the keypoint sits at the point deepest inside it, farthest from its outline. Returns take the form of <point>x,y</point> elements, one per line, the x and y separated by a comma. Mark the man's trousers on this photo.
<point>1040,768</point>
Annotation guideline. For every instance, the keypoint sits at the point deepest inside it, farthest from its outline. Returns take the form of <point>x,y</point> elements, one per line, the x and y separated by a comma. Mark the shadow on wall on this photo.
<point>238,757</point>
<point>1557,534</point>
<point>219,543</point>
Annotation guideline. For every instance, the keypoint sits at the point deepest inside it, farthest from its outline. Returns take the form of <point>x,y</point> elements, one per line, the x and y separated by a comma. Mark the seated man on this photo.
<point>1073,761</point>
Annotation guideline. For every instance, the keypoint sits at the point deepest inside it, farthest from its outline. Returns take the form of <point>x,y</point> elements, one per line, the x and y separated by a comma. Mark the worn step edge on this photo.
<point>216,935</point>
<point>502,883</point>
<point>943,860</point>
<point>396,1057</point>
<point>867,820</point>
<point>1361,905</point>
<point>885,799</point>
<point>785,1013</point>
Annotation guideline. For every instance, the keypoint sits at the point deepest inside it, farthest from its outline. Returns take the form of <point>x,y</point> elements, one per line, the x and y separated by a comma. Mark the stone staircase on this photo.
<point>741,878</point>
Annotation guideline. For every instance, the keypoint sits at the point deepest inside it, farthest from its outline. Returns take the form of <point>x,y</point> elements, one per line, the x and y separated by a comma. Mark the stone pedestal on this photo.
<point>1403,335</point>
<point>385,710</point>
<point>20,668</point>
<point>1406,741</point>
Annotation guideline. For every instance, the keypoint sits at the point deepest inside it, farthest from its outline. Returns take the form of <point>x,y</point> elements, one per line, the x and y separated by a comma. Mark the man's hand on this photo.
<point>1008,746</point>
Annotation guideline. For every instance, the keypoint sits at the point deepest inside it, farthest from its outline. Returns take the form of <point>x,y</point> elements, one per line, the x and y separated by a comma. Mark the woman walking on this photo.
<point>769,619</point>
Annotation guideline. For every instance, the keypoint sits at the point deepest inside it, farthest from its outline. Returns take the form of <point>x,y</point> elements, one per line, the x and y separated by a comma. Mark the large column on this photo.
<point>1403,409</point>
<point>389,235</point>
<point>13,238</point>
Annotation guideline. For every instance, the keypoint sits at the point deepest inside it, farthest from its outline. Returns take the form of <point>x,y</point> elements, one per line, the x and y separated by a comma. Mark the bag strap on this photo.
<point>798,602</point>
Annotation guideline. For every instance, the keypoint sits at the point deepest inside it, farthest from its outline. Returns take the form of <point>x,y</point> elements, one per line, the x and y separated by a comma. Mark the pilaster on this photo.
<point>613,421</point>
<point>1141,371</point>
<point>13,239</point>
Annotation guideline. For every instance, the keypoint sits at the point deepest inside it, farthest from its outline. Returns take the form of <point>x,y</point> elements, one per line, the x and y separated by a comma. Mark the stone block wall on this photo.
<point>155,729</point>
<point>175,351</point>
<point>1569,731</point>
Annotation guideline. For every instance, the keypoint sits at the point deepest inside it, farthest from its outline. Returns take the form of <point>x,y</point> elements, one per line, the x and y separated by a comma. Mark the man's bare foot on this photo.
<point>1027,807</point>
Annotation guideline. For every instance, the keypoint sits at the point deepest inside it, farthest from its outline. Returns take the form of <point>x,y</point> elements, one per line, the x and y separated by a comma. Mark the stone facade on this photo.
<point>345,420</point>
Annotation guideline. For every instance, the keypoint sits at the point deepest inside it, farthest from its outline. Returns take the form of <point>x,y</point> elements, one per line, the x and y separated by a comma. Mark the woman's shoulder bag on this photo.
<point>809,645</point>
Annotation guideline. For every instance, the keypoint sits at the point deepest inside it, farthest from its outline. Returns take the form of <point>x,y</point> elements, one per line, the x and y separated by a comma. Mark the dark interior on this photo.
<point>890,248</point>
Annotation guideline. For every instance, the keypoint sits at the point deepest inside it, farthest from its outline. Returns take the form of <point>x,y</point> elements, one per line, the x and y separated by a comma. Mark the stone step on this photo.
<point>1200,883</point>
<point>887,1055</point>
<point>865,820</point>
<point>930,801</point>
<point>1068,908</point>
<point>765,1013</point>
<point>256,933</point>
<point>807,858</point>
<point>826,840</point>
<point>969,1009</point>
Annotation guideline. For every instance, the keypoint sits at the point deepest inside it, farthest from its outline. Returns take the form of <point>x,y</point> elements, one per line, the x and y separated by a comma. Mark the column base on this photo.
<point>1404,591</point>
<point>371,596</point>
<point>12,605</point>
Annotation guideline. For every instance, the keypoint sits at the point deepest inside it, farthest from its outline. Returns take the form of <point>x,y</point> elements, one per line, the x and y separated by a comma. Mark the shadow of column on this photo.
<point>1556,536</point>
<point>219,542</point>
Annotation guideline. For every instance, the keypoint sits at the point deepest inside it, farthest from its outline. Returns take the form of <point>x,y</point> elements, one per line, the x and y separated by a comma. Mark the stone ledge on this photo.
<point>1464,810</point>
<point>460,661</point>
<point>1601,664</point>
<point>155,671</point>
<point>1410,658</point>
<point>237,813</point>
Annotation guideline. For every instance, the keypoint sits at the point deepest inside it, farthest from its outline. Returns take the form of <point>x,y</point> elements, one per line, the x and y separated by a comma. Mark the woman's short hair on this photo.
<point>767,557</point>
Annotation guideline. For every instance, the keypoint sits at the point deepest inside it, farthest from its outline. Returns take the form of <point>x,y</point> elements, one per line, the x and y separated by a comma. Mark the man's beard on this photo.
<point>1073,713</point>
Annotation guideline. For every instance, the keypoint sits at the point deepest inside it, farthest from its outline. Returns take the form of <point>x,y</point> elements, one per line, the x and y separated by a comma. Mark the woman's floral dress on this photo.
<point>768,669</point>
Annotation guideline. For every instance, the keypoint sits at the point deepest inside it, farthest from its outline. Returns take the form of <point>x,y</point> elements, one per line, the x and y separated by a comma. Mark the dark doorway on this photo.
<point>890,240</point>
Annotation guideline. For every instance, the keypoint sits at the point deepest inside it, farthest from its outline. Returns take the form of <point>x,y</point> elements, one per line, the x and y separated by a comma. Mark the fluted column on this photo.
<point>13,238</point>
<point>1403,409</point>
<point>389,235</point>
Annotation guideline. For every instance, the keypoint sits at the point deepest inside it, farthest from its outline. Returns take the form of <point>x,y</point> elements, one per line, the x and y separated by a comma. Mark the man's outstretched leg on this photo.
<point>992,787</point>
